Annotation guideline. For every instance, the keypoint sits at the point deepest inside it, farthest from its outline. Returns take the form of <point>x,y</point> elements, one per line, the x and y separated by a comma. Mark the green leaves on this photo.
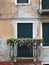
<point>10,40</point>
<point>23,40</point>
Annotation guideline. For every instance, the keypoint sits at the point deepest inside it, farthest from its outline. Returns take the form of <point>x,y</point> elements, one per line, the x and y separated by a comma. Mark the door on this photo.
<point>25,30</point>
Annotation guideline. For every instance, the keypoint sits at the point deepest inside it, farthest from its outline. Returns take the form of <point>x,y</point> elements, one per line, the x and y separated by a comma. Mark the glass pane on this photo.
<point>22,1</point>
<point>45,4</point>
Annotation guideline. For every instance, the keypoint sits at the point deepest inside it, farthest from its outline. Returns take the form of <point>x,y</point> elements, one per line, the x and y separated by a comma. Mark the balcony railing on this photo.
<point>25,48</point>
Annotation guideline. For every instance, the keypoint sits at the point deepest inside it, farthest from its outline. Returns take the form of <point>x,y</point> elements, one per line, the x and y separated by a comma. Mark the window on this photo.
<point>45,31</point>
<point>22,2</point>
<point>44,6</point>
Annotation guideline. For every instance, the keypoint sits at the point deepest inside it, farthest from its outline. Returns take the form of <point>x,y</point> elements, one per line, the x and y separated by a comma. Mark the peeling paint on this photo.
<point>23,14</point>
<point>35,6</point>
<point>38,30</point>
<point>4,50</point>
<point>14,27</point>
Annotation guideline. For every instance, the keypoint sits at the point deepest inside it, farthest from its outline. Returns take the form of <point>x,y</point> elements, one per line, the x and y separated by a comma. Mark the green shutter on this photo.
<point>45,4</point>
<point>45,27</point>
<point>24,31</point>
<point>22,1</point>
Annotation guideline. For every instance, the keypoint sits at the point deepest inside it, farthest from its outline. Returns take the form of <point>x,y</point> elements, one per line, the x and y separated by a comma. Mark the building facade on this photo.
<point>25,19</point>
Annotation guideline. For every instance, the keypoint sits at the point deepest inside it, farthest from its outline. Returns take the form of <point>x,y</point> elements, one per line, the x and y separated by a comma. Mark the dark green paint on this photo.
<point>24,31</point>
<point>22,1</point>
<point>45,27</point>
<point>45,4</point>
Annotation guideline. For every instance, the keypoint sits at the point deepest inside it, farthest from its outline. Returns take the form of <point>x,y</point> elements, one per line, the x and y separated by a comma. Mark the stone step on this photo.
<point>25,61</point>
<point>25,64</point>
<point>11,63</point>
<point>36,63</point>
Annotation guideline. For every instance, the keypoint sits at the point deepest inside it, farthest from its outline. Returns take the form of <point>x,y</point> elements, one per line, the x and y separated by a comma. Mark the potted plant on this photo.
<point>38,40</point>
<point>27,40</point>
<point>11,41</point>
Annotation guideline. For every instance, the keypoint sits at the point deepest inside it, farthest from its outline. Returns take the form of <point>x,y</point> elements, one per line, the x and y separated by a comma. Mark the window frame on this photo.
<point>22,3</point>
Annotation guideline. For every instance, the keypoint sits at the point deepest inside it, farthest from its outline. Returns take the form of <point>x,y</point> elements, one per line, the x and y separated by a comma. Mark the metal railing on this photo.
<point>35,51</point>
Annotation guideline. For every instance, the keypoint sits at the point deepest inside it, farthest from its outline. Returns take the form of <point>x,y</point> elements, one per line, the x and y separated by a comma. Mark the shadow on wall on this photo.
<point>4,50</point>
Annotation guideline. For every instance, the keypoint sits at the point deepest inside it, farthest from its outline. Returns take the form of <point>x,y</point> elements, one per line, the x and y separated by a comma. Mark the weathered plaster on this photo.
<point>14,27</point>
<point>10,10</point>
<point>6,28</point>
<point>35,25</point>
<point>4,50</point>
<point>35,6</point>
<point>23,14</point>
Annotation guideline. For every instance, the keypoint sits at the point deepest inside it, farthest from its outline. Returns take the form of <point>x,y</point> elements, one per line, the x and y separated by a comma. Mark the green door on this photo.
<point>25,30</point>
<point>45,29</point>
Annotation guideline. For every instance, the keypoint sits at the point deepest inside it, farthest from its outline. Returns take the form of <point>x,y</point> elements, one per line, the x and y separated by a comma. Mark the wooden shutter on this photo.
<point>45,4</point>
<point>45,28</point>
<point>25,31</point>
